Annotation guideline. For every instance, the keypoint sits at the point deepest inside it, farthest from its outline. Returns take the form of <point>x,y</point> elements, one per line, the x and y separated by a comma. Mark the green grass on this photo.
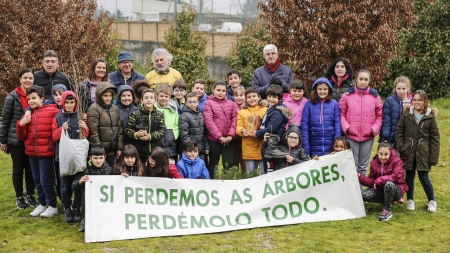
<point>407,231</point>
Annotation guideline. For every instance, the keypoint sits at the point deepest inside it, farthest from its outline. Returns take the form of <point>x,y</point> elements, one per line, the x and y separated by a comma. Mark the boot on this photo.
<point>272,151</point>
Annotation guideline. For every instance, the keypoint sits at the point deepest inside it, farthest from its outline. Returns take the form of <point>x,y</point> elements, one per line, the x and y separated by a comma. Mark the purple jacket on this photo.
<point>297,109</point>
<point>361,114</point>
<point>261,78</point>
<point>380,174</point>
<point>220,118</point>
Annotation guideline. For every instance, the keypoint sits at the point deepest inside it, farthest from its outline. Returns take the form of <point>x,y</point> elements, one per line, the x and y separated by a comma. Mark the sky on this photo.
<point>220,6</point>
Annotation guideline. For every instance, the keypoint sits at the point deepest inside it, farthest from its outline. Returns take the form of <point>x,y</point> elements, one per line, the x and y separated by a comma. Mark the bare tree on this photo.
<point>310,34</point>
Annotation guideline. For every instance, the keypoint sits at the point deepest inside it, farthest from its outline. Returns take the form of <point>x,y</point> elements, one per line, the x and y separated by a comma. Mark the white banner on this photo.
<point>138,207</point>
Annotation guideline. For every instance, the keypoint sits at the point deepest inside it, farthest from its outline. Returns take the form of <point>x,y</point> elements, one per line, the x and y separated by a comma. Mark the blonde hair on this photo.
<point>238,90</point>
<point>402,79</point>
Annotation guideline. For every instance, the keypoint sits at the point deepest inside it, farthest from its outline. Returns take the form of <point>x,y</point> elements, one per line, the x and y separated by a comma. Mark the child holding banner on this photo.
<point>97,165</point>
<point>340,144</point>
<point>159,165</point>
<point>129,163</point>
<point>385,181</point>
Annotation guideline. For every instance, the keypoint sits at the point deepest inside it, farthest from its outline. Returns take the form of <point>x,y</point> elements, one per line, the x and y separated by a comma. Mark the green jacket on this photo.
<point>105,127</point>
<point>168,142</point>
<point>418,142</point>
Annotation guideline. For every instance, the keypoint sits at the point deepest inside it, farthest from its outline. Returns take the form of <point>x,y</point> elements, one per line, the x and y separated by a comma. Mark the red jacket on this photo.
<point>381,173</point>
<point>37,134</point>
<point>174,171</point>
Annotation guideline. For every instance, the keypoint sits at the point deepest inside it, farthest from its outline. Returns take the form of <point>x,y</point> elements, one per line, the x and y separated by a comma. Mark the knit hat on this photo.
<point>124,56</point>
<point>322,80</point>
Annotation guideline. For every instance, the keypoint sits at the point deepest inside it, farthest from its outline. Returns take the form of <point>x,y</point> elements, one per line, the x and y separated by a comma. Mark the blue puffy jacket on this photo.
<point>392,110</point>
<point>192,168</point>
<point>320,125</point>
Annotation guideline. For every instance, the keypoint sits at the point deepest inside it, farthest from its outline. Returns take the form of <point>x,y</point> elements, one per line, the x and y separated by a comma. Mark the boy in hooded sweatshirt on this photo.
<point>67,120</point>
<point>104,122</point>
<point>170,110</point>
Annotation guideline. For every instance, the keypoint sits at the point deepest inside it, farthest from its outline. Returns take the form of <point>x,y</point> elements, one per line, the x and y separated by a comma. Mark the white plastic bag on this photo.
<point>72,155</point>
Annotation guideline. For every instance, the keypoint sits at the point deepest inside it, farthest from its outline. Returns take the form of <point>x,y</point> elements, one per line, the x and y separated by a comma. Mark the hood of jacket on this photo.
<point>121,89</point>
<point>322,80</point>
<point>287,113</point>
<point>64,97</point>
<point>429,111</point>
<point>101,88</point>
<point>58,86</point>
<point>293,129</point>
<point>188,161</point>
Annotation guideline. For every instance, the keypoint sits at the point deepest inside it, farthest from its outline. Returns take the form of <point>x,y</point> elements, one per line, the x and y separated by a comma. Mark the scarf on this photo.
<point>92,90</point>
<point>163,72</point>
<point>22,97</point>
<point>274,67</point>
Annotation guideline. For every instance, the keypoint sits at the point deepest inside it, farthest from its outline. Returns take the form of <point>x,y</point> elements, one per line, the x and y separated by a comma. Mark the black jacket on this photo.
<point>92,170</point>
<point>46,81</point>
<point>192,127</point>
<point>12,112</point>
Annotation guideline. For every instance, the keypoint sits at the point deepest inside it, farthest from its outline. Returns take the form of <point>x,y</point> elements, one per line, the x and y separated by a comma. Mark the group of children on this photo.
<point>146,131</point>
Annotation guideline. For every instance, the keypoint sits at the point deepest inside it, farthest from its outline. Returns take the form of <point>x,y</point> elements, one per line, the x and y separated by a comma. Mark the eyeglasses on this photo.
<point>191,102</point>
<point>293,137</point>
<point>125,62</point>
<point>178,91</point>
<point>417,100</point>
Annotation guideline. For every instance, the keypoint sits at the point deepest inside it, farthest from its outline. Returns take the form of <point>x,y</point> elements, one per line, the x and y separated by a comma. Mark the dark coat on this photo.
<point>12,112</point>
<point>41,78</point>
<point>338,92</point>
<point>92,170</point>
<point>262,76</point>
<point>154,121</point>
<point>117,79</point>
<point>192,127</point>
<point>392,110</point>
<point>275,121</point>
<point>104,122</point>
<point>418,142</point>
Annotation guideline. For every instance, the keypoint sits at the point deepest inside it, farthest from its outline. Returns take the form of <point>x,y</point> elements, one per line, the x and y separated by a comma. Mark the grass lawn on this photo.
<point>407,231</point>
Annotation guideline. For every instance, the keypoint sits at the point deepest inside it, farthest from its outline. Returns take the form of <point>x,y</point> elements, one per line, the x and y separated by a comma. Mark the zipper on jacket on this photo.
<point>382,167</point>
<point>361,113</point>
<point>149,132</point>
<point>111,130</point>
<point>34,135</point>
<point>323,129</point>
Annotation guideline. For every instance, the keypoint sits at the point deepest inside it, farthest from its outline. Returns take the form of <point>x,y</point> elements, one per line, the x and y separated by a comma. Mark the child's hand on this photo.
<point>289,158</point>
<point>332,153</point>
<point>25,120</point>
<point>83,179</point>
<point>27,112</point>
<point>316,157</point>
<point>125,175</point>
<point>4,147</point>
<point>82,125</point>
<point>223,140</point>
<point>207,152</point>
<point>65,126</point>
<point>244,132</point>
<point>253,134</point>
<point>375,186</point>
<point>266,136</point>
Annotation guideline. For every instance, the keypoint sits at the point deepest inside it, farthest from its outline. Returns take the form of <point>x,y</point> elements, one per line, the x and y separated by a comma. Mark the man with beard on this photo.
<point>273,72</point>
<point>125,74</point>
<point>163,74</point>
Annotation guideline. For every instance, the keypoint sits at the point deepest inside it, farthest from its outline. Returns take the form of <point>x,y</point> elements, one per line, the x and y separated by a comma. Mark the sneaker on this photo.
<point>77,215</point>
<point>432,206</point>
<point>410,205</point>
<point>49,212</point>
<point>31,200</point>
<point>385,215</point>
<point>81,226</point>
<point>68,215</point>
<point>38,210</point>
<point>20,203</point>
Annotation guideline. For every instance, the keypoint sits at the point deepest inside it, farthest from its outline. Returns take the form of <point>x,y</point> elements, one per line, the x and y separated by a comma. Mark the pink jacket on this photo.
<point>220,118</point>
<point>361,114</point>
<point>297,109</point>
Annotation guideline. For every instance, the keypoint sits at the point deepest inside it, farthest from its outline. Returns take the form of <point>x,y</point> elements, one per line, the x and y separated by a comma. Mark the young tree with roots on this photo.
<point>310,34</point>
<point>28,28</point>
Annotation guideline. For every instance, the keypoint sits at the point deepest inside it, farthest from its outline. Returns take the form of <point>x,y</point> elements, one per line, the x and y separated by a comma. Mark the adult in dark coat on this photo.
<point>340,76</point>
<point>50,76</point>
<point>125,74</point>
<point>272,72</point>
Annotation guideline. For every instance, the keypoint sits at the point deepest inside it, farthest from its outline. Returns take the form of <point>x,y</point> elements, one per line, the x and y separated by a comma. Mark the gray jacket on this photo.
<point>192,127</point>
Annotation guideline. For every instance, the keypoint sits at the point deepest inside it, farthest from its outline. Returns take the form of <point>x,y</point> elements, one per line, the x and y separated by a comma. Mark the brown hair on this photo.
<point>239,89</point>
<point>191,95</point>
<point>402,79</point>
<point>91,70</point>
<point>315,97</point>
<point>130,151</point>
<point>161,168</point>
<point>139,86</point>
<point>424,96</point>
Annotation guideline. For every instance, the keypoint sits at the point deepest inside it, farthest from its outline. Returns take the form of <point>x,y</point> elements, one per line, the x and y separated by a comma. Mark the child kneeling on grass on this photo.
<point>190,165</point>
<point>97,165</point>
<point>385,181</point>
